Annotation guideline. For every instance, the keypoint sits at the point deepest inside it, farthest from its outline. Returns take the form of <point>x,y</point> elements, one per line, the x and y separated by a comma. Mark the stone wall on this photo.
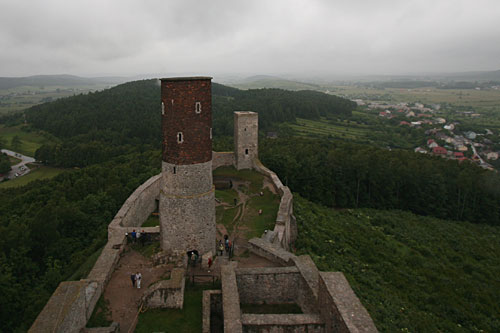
<point>282,323</point>
<point>212,311</point>
<point>230,299</point>
<point>246,135</point>
<point>285,227</point>
<point>166,293</point>
<point>222,159</point>
<point>73,302</point>
<point>339,306</point>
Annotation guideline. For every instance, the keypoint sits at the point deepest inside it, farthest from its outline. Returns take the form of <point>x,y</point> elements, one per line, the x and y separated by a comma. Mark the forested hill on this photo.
<point>102,125</point>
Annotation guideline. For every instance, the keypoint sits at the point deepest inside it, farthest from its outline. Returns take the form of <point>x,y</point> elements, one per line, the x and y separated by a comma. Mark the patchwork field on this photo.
<point>29,141</point>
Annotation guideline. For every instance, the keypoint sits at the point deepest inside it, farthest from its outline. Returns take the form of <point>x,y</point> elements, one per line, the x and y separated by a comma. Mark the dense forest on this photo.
<point>49,228</point>
<point>347,175</point>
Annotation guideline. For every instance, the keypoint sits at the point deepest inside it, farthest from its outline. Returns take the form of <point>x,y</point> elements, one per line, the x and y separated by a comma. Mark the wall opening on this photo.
<point>180,138</point>
<point>162,108</point>
<point>210,132</point>
<point>246,151</point>
<point>174,170</point>
<point>197,107</point>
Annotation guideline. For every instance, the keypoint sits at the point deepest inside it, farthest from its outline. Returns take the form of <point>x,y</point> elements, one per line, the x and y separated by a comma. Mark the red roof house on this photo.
<point>439,151</point>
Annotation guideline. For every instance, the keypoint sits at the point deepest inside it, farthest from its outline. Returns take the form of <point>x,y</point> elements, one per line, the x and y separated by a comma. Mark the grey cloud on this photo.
<point>133,37</point>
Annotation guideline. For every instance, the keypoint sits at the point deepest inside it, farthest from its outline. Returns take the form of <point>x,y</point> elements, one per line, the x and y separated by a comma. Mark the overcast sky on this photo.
<point>214,37</point>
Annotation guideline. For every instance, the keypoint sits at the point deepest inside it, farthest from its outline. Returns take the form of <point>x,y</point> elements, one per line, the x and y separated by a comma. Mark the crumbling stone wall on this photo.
<point>213,316</point>
<point>166,293</point>
<point>220,159</point>
<point>282,323</point>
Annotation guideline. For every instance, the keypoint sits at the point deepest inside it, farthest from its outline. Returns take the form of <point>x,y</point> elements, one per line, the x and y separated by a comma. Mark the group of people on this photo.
<point>136,280</point>
<point>227,245</point>
<point>138,236</point>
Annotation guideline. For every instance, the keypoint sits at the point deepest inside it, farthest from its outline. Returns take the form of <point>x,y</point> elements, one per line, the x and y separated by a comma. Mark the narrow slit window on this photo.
<point>180,139</point>
<point>174,170</point>
<point>197,107</point>
<point>246,151</point>
<point>210,132</point>
<point>162,108</point>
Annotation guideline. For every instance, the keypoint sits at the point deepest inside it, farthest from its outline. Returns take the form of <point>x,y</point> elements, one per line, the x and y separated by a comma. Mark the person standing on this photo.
<point>138,277</point>
<point>132,277</point>
<point>133,236</point>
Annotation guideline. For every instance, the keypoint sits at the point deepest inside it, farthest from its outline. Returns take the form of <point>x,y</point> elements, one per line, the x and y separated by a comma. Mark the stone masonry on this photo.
<point>246,135</point>
<point>187,197</point>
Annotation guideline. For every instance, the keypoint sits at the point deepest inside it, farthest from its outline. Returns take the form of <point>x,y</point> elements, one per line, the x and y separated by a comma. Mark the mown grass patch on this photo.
<point>226,216</point>
<point>41,172</point>
<point>227,196</point>
<point>14,160</point>
<point>258,223</point>
<point>188,320</point>
<point>30,140</point>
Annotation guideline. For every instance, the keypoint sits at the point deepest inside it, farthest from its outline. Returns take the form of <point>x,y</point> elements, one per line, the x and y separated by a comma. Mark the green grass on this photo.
<point>227,195</point>
<point>14,160</point>
<point>252,176</point>
<point>306,127</point>
<point>187,320</point>
<point>412,273</point>
<point>86,267</point>
<point>270,308</point>
<point>257,224</point>
<point>42,172</point>
<point>30,140</point>
<point>147,250</point>
<point>226,216</point>
<point>152,221</point>
<point>101,315</point>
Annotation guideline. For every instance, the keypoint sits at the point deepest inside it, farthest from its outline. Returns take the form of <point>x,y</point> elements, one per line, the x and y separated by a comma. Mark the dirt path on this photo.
<point>123,298</point>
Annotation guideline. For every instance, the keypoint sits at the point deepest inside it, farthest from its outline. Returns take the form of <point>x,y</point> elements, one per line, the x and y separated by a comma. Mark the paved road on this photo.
<point>21,168</point>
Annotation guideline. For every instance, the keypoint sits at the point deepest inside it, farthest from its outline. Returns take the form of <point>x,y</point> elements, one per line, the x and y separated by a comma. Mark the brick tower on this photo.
<point>187,198</point>
<point>246,136</point>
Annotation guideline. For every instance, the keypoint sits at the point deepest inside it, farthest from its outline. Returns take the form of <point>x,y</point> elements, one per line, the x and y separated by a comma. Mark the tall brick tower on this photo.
<point>187,199</point>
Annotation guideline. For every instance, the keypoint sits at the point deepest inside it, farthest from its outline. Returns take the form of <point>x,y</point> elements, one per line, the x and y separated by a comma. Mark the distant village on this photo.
<point>444,139</point>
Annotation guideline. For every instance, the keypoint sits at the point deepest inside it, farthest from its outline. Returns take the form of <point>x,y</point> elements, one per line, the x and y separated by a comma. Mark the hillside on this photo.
<point>54,80</point>
<point>412,273</point>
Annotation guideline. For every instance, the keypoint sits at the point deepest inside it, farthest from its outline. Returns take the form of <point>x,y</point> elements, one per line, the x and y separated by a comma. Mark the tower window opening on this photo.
<point>174,170</point>
<point>197,107</point>
<point>180,139</point>
<point>210,132</point>
<point>245,129</point>
<point>246,151</point>
<point>162,108</point>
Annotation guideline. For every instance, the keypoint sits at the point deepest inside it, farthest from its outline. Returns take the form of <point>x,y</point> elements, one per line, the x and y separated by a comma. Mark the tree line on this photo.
<point>346,175</point>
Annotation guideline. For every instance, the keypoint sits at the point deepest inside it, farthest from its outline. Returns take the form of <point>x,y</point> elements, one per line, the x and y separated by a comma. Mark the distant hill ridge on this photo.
<point>55,80</point>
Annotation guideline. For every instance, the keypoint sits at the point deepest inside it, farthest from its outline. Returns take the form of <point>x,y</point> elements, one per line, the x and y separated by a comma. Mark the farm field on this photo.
<point>350,131</point>
<point>430,95</point>
<point>30,141</point>
<point>23,97</point>
<point>42,172</point>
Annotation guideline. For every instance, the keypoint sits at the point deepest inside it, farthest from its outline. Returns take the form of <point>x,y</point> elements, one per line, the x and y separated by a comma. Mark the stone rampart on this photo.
<point>285,226</point>
<point>220,159</point>
<point>230,299</point>
<point>73,302</point>
<point>339,306</point>
<point>282,323</point>
<point>166,293</point>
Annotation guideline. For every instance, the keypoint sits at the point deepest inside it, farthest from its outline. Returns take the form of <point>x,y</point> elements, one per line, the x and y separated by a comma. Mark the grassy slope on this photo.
<point>412,273</point>
<point>42,172</point>
<point>30,141</point>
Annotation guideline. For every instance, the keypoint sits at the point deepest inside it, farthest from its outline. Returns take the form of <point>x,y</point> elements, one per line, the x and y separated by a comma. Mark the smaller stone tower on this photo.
<point>187,198</point>
<point>246,136</point>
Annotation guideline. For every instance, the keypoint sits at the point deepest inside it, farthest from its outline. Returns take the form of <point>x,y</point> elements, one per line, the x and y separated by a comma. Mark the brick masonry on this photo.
<point>179,97</point>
